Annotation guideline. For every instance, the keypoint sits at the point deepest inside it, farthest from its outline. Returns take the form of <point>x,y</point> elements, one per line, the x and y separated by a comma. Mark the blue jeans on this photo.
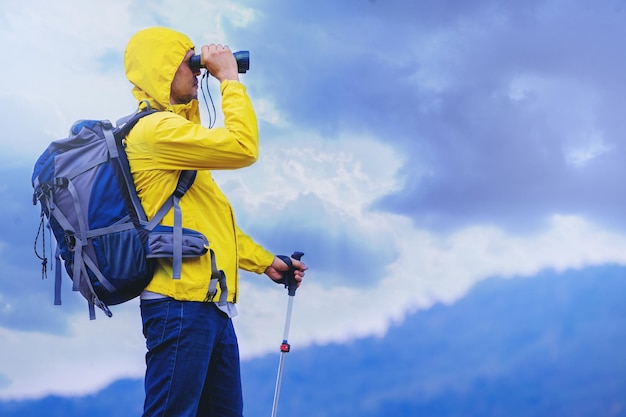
<point>192,360</point>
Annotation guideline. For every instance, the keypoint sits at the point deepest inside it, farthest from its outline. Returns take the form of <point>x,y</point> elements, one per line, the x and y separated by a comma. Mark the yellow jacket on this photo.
<point>166,142</point>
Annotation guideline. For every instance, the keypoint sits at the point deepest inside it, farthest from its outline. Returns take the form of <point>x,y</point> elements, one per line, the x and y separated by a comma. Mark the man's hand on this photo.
<point>220,62</point>
<point>276,269</point>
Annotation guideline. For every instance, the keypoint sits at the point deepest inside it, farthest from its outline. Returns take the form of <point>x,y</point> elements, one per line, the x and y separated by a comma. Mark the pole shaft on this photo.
<point>279,379</point>
<point>288,319</point>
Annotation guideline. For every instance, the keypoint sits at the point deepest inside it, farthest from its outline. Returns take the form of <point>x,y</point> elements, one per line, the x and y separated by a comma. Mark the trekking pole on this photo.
<point>291,285</point>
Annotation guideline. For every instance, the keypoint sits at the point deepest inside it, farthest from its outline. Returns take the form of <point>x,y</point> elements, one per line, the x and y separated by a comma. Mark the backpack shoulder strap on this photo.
<point>185,180</point>
<point>125,124</point>
<point>115,137</point>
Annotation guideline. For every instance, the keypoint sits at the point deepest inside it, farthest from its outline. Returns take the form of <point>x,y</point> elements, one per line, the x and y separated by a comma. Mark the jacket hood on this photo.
<point>151,59</point>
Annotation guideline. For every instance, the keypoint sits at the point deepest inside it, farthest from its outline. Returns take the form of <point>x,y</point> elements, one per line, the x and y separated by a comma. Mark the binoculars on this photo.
<point>242,58</point>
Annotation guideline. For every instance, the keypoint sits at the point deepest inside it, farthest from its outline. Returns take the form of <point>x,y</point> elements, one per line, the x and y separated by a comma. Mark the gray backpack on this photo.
<point>88,198</point>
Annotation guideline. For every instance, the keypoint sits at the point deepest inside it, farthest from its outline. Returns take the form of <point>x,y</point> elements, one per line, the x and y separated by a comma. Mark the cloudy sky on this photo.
<point>409,148</point>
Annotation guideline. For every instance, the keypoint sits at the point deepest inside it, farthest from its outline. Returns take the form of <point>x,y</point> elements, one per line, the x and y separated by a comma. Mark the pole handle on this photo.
<point>289,278</point>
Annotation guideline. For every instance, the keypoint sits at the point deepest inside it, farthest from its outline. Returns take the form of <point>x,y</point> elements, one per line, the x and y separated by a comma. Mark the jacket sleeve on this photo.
<point>252,256</point>
<point>178,143</point>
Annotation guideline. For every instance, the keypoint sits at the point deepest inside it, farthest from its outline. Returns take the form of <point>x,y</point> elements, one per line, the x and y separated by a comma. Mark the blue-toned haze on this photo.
<point>411,149</point>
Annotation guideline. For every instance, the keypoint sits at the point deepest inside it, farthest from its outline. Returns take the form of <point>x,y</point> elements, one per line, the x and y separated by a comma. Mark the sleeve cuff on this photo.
<point>227,83</point>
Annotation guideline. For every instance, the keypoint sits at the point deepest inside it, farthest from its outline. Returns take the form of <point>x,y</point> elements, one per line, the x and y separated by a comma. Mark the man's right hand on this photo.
<point>276,269</point>
<point>220,62</point>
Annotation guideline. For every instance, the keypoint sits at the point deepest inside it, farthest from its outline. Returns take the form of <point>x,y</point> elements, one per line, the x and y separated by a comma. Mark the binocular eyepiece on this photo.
<point>242,58</point>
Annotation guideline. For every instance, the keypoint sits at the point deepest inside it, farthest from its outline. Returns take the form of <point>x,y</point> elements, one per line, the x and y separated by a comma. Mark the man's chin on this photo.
<point>190,99</point>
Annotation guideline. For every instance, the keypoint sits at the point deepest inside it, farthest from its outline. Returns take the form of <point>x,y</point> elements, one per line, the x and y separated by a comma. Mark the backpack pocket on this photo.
<point>161,243</point>
<point>125,271</point>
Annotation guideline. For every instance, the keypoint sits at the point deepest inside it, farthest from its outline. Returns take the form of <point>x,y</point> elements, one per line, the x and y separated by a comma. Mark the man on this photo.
<point>192,359</point>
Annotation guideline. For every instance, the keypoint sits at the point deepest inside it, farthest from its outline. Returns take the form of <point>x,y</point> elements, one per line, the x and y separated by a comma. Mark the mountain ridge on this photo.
<point>547,345</point>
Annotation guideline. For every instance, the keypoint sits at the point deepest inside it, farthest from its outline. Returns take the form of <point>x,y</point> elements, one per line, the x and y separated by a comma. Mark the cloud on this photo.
<point>88,357</point>
<point>472,94</point>
<point>507,136</point>
<point>4,381</point>
<point>582,154</point>
<point>429,269</point>
<point>311,194</point>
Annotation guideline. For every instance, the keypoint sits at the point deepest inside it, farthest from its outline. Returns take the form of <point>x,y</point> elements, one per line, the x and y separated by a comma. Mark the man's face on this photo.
<point>185,84</point>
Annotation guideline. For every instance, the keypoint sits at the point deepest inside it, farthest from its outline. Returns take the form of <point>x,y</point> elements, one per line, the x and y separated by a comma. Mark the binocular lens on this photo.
<point>242,58</point>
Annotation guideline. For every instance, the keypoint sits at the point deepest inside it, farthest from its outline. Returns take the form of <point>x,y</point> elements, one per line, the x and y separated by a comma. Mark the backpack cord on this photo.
<point>212,116</point>
<point>44,259</point>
